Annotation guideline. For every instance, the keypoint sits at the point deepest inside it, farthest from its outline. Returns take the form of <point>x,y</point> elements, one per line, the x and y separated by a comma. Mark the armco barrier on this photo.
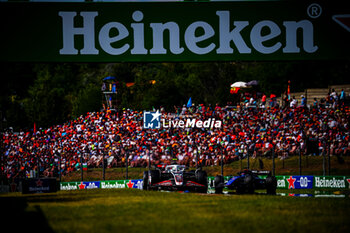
<point>283,182</point>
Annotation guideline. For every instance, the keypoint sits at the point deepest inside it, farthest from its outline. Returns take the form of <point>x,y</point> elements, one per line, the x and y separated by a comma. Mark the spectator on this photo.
<point>315,104</point>
<point>342,97</point>
<point>257,130</point>
<point>263,100</point>
<point>303,101</point>
<point>294,102</point>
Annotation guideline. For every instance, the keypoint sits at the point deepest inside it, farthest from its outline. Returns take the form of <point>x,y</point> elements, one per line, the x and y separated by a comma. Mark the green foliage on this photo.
<point>48,102</point>
<point>50,94</point>
<point>88,99</point>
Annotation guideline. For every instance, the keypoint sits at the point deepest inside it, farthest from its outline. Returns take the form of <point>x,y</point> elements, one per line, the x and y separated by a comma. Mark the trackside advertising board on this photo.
<point>174,31</point>
<point>303,182</point>
<point>101,184</point>
<point>42,185</point>
<point>313,182</point>
<point>295,182</point>
<point>335,182</point>
<point>283,182</point>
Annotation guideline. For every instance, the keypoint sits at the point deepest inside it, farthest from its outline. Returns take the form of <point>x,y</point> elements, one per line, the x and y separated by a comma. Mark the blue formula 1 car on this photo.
<point>247,181</point>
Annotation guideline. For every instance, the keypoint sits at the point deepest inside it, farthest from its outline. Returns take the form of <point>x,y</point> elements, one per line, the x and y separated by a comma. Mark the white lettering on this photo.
<point>199,36</point>
<point>226,36</point>
<point>257,38</point>
<point>174,38</point>
<point>181,124</point>
<point>206,124</point>
<point>106,41</point>
<point>190,122</point>
<point>329,183</point>
<point>139,40</point>
<point>87,31</point>
<point>218,124</point>
<point>291,36</point>
<point>165,125</point>
<point>199,124</point>
<point>191,39</point>
<point>281,183</point>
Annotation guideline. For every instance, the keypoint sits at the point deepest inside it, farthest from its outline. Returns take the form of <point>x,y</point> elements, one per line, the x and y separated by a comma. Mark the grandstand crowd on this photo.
<point>117,135</point>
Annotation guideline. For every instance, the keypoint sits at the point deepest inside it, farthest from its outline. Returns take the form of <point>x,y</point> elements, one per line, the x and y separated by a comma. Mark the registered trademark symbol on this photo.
<point>314,10</point>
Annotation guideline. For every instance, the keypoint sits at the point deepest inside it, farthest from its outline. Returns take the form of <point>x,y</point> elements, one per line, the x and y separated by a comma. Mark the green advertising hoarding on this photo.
<point>318,182</point>
<point>283,182</point>
<point>333,182</point>
<point>174,31</point>
<point>115,184</point>
<point>101,184</point>
<point>304,182</point>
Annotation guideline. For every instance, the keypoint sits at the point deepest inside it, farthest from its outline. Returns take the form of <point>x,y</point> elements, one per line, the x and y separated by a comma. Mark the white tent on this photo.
<point>239,84</point>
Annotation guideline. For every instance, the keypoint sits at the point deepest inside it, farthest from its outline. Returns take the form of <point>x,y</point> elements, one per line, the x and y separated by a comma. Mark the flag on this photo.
<point>189,103</point>
<point>234,90</point>
<point>130,84</point>
<point>288,90</point>
<point>34,130</point>
<point>85,168</point>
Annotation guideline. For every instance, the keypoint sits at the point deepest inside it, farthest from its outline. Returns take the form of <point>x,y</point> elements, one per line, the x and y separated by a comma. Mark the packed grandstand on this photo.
<point>116,135</point>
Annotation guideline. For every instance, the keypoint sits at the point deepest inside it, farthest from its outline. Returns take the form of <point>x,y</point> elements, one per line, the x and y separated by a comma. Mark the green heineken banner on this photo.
<point>283,182</point>
<point>295,182</point>
<point>335,182</point>
<point>174,31</point>
<point>137,184</point>
<point>313,182</point>
<point>101,184</point>
<point>303,182</point>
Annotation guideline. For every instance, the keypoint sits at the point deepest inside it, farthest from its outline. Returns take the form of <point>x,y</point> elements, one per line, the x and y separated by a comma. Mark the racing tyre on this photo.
<point>155,176</point>
<point>202,178</point>
<point>249,183</point>
<point>271,185</point>
<point>218,183</point>
<point>145,180</point>
<point>240,189</point>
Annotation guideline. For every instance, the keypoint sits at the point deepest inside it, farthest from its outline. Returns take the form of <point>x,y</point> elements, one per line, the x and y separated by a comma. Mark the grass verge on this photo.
<point>126,210</point>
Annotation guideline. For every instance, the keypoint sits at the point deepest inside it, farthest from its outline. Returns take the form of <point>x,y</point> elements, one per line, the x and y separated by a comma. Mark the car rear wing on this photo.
<point>160,167</point>
<point>266,173</point>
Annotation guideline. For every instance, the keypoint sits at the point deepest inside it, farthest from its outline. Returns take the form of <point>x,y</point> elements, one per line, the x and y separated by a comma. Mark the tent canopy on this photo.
<point>109,78</point>
<point>239,84</point>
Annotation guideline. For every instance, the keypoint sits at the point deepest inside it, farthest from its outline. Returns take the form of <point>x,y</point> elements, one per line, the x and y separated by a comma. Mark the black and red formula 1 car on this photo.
<point>175,178</point>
